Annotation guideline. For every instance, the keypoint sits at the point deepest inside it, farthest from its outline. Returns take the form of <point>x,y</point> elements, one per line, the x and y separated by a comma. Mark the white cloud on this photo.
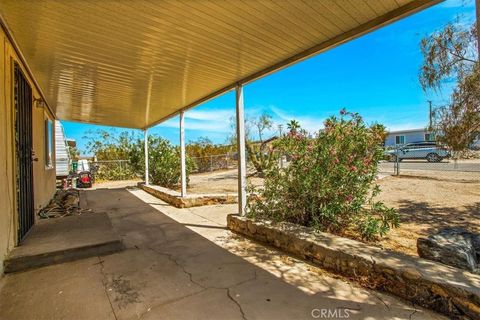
<point>393,122</point>
<point>209,115</point>
<point>215,120</point>
<point>310,123</point>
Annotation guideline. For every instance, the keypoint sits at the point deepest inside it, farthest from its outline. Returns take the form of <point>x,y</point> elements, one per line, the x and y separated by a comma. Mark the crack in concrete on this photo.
<point>237,303</point>
<point>102,271</point>
<point>191,278</point>
<point>204,288</point>
<point>189,274</point>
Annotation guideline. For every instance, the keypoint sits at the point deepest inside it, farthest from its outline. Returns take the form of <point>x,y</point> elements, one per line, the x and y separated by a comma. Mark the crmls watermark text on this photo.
<point>330,313</point>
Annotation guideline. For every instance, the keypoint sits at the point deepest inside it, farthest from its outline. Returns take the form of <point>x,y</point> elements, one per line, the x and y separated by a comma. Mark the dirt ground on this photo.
<point>116,184</point>
<point>218,181</point>
<point>426,201</point>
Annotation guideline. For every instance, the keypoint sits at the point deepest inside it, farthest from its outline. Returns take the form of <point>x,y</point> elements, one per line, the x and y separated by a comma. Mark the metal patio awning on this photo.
<point>136,63</point>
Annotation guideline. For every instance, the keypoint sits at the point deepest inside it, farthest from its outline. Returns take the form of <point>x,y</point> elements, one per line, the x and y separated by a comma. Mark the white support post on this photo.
<point>242,163</point>
<point>183,168</point>
<point>145,141</point>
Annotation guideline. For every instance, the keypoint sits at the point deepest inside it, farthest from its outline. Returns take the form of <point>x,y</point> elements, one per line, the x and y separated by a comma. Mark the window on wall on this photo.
<point>399,139</point>
<point>48,143</point>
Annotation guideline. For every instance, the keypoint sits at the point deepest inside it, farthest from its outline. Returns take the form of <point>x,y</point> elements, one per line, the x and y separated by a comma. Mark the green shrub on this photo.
<point>163,161</point>
<point>111,150</point>
<point>164,158</point>
<point>115,170</point>
<point>329,183</point>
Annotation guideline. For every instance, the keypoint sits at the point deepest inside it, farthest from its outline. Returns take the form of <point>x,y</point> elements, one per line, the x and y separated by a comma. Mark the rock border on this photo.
<point>195,200</point>
<point>448,290</point>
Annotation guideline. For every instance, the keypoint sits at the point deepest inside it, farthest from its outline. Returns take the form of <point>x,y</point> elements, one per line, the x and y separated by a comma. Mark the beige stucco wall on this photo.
<point>44,179</point>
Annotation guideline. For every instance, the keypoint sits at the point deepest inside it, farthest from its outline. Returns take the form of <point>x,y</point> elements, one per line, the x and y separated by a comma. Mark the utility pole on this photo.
<point>430,114</point>
<point>280,129</point>
<point>477,4</point>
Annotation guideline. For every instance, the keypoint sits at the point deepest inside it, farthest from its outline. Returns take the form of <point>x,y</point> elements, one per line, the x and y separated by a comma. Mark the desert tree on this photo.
<point>73,153</point>
<point>450,56</point>
<point>260,154</point>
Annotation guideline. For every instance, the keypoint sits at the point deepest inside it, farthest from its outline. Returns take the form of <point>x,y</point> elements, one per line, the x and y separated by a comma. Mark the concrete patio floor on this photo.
<point>185,264</point>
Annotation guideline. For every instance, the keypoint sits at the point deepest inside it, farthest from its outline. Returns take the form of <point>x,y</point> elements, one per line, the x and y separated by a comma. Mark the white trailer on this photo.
<point>62,157</point>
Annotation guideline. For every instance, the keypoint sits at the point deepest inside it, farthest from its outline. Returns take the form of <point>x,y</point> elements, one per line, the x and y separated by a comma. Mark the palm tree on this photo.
<point>293,126</point>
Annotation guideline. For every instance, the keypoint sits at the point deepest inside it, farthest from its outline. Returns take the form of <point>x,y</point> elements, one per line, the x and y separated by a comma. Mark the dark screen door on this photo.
<point>24,149</point>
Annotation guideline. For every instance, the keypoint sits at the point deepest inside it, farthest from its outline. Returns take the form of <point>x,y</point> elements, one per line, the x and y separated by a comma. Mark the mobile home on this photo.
<point>62,158</point>
<point>401,137</point>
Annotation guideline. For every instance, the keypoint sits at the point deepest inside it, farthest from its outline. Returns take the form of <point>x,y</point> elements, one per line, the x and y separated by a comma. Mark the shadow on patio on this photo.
<point>183,264</point>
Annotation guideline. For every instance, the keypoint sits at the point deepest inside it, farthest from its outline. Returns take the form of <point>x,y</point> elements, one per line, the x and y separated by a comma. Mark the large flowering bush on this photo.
<point>329,182</point>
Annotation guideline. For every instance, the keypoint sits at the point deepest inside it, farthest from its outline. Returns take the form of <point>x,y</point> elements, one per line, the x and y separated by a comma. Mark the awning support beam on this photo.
<point>183,168</point>
<point>145,142</point>
<point>241,156</point>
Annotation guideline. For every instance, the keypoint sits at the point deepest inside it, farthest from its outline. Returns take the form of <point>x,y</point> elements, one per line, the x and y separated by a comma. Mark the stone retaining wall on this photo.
<point>448,290</point>
<point>175,199</point>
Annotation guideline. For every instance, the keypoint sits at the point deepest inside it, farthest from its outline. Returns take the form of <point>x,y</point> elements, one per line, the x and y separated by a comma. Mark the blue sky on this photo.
<point>375,75</point>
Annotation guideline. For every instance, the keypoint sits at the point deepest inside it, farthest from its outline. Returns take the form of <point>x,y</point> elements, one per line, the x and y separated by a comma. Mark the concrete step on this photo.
<point>59,240</point>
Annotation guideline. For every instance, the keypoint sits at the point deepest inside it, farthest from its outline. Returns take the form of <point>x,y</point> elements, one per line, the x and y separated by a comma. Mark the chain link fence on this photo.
<point>397,162</point>
<point>122,169</point>
<point>214,162</point>
<point>429,161</point>
<point>110,170</point>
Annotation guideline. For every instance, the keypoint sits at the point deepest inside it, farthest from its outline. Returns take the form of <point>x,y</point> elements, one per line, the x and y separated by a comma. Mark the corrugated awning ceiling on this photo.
<point>135,63</point>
